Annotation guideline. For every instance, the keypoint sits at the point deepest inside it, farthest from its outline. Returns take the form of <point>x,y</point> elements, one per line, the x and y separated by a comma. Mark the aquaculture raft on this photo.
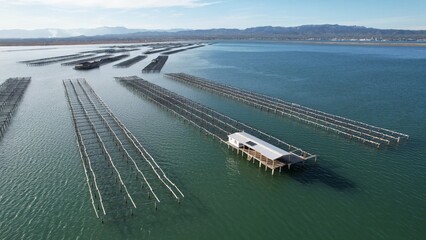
<point>112,50</point>
<point>218,125</point>
<point>45,61</point>
<point>116,165</point>
<point>85,60</point>
<point>166,47</point>
<point>130,62</point>
<point>181,50</point>
<point>156,65</point>
<point>87,65</point>
<point>360,131</point>
<point>107,60</point>
<point>11,92</point>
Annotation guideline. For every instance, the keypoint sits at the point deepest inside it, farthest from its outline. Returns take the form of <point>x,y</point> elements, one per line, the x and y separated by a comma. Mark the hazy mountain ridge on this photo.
<point>318,32</point>
<point>64,33</point>
<point>305,32</point>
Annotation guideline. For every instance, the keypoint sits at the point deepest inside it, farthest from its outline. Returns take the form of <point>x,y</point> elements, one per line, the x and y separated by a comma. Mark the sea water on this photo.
<point>354,191</point>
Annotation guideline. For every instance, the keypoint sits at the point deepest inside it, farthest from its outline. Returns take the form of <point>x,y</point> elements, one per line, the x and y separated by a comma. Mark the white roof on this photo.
<point>264,148</point>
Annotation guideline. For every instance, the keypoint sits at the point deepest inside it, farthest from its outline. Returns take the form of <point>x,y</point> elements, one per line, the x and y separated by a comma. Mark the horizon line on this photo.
<point>192,29</point>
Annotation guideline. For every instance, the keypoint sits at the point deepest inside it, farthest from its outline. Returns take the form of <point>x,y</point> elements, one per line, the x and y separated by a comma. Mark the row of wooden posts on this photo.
<point>11,92</point>
<point>86,105</point>
<point>363,132</point>
<point>213,123</point>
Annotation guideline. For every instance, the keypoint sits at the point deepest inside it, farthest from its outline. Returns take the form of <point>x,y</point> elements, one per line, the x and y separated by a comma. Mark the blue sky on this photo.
<point>203,14</point>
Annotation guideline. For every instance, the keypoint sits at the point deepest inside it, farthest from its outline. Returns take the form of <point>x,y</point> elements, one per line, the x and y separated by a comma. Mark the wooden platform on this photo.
<point>256,156</point>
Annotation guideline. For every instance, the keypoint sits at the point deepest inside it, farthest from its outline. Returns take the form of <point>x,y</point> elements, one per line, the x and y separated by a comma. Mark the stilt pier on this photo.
<point>156,65</point>
<point>130,62</point>
<point>11,92</point>
<point>363,132</point>
<point>216,124</point>
<point>120,173</point>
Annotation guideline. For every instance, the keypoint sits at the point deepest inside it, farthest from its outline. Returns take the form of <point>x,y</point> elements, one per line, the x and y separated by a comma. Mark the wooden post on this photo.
<point>273,166</point>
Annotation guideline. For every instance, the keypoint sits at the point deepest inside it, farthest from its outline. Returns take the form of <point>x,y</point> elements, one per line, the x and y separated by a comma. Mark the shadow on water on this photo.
<point>310,173</point>
<point>315,173</point>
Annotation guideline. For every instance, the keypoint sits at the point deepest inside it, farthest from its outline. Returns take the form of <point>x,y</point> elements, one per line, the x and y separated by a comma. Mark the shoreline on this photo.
<point>388,44</point>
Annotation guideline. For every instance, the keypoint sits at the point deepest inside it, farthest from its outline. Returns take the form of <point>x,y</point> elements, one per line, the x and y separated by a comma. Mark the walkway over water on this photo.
<point>120,173</point>
<point>360,131</point>
<point>213,123</point>
<point>11,92</point>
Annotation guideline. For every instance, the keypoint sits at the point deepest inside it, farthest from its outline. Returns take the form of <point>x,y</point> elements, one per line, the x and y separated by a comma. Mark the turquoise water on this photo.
<point>354,191</point>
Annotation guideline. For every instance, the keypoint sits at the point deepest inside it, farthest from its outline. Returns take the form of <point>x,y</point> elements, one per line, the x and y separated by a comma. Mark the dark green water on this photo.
<point>354,192</point>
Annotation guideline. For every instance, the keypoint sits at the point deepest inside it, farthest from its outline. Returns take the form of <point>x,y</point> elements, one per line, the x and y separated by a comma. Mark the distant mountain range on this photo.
<point>121,34</point>
<point>65,33</point>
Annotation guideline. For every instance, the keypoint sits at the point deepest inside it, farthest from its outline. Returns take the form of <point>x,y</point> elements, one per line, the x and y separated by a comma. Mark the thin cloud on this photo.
<point>116,4</point>
<point>423,28</point>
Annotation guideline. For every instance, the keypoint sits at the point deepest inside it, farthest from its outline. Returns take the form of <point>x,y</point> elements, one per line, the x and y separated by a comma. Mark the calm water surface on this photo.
<point>354,191</point>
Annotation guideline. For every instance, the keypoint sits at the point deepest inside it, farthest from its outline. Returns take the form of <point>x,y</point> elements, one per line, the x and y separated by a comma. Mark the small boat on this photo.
<point>87,65</point>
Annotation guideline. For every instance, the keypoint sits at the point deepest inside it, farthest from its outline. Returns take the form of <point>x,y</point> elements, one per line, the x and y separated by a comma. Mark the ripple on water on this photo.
<point>354,191</point>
